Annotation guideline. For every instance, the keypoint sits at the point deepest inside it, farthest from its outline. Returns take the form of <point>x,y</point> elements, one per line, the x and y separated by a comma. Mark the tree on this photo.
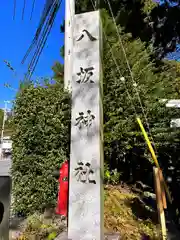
<point>147,20</point>
<point>1,116</point>
<point>8,127</point>
<point>58,70</point>
<point>40,144</point>
<point>124,145</point>
<point>125,148</point>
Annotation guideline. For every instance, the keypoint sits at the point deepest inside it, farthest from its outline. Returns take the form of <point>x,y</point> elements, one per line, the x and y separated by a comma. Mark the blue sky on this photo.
<point>172,3</point>
<point>16,36</point>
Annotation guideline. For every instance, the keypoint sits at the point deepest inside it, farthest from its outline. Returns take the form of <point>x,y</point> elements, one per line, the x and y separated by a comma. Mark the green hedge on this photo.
<point>40,144</point>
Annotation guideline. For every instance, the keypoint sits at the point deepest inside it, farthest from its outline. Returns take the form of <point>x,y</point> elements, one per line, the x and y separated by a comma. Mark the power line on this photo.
<point>131,74</point>
<point>39,47</point>
<point>122,78</point>
<point>33,5</point>
<point>38,51</point>
<point>43,44</point>
<point>117,66</point>
<point>38,31</point>
<point>130,98</point>
<point>47,19</point>
<point>24,6</point>
<point>14,10</point>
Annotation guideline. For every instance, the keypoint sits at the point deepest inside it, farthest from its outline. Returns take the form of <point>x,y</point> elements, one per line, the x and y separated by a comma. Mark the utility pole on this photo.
<point>69,18</point>
<point>3,124</point>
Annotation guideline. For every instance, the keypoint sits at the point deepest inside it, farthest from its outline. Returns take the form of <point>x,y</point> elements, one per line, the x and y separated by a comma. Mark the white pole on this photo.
<point>3,124</point>
<point>69,16</point>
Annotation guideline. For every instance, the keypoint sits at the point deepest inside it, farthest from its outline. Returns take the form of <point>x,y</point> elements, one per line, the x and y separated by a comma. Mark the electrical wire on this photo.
<point>38,31</point>
<point>43,44</point>
<point>14,10</point>
<point>131,74</point>
<point>40,48</point>
<point>48,17</point>
<point>129,96</point>
<point>24,6</point>
<point>47,8</point>
<point>46,34</point>
<point>33,6</point>
<point>117,66</point>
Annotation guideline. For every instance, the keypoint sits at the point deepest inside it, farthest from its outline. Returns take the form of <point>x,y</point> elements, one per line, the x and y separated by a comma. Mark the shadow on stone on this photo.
<point>1,211</point>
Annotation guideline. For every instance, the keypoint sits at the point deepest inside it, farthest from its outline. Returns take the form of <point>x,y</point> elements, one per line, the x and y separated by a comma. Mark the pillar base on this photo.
<point>112,236</point>
<point>107,236</point>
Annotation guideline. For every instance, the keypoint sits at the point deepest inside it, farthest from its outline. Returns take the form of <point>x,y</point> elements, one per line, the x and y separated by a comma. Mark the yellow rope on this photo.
<point>153,156</point>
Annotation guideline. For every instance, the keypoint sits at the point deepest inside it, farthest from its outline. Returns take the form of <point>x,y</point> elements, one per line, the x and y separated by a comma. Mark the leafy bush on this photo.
<point>40,144</point>
<point>35,228</point>
<point>111,176</point>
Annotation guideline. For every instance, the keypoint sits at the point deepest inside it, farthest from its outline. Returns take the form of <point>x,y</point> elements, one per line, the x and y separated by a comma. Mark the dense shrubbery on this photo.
<point>40,144</point>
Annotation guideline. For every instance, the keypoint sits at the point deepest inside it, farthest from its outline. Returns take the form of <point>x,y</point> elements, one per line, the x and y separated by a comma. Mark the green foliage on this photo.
<point>58,70</point>
<point>1,116</point>
<point>111,176</point>
<point>143,19</point>
<point>124,145</point>
<point>8,127</point>
<point>52,236</point>
<point>62,51</point>
<point>40,144</point>
<point>149,5</point>
<point>35,227</point>
<point>33,222</point>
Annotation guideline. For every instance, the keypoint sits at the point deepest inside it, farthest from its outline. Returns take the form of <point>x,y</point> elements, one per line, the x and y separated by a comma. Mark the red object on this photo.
<point>62,202</point>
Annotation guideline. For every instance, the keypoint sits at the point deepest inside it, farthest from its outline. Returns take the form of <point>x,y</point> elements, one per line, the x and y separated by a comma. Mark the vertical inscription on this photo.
<point>86,158</point>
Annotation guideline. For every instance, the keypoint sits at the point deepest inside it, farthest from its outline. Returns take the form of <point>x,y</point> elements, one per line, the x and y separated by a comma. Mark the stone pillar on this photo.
<point>85,219</point>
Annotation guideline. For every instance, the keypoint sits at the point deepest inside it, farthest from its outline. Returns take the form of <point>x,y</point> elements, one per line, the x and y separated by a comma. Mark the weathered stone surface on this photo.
<point>112,236</point>
<point>85,220</point>
<point>107,236</point>
<point>62,236</point>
